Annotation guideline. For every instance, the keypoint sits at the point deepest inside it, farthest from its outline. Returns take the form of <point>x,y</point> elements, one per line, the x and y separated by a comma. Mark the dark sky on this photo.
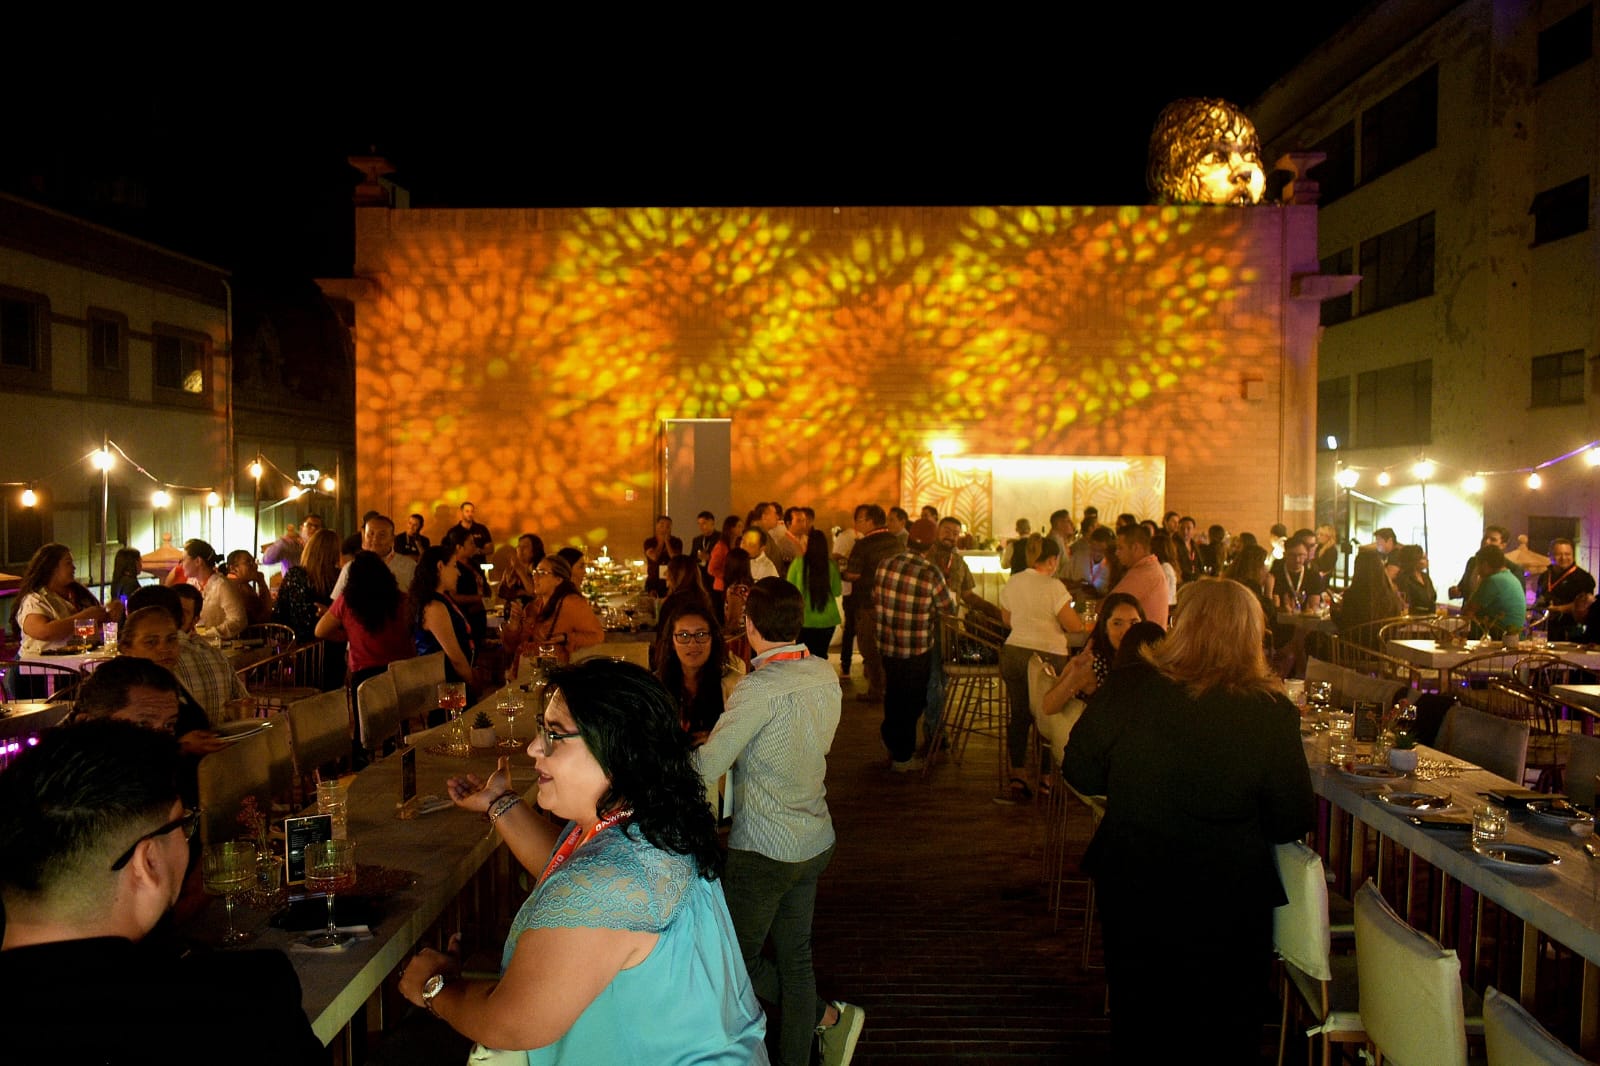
<point>249,170</point>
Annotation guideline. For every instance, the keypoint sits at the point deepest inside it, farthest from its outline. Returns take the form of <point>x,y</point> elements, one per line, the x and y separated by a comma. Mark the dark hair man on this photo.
<point>1560,586</point>
<point>93,852</point>
<point>875,542</point>
<point>908,594</point>
<point>778,726</point>
<point>1142,577</point>
<point>1498,536</point>
<point>1499,604</point>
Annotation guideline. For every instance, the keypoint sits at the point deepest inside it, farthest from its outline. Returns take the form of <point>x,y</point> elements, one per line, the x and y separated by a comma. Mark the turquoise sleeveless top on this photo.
<point>690,1001</point>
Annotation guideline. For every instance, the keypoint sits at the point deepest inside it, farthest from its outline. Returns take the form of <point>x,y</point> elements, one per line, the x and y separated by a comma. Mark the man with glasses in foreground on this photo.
<point>777,728</point>
<point>93,851</point>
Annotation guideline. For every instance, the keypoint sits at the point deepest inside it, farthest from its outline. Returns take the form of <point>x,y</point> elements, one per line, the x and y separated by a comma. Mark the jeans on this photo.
<point>1014,669</point>
<point>847,639</point>
<point>905,697</point>
<point>765,897</point>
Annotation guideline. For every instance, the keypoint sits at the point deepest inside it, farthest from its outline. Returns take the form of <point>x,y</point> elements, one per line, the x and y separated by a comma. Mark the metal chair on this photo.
<point>974,695</point>
<point>275,635</point>
<point>31,680</point>
<point>281,679</point>
<point>1547,745</point>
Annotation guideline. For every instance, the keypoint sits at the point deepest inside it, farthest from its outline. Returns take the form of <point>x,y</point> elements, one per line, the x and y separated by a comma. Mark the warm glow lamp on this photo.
<point>1592,456</point>
<point>255,469</point>
<point>101,459</point>
<point>1473,484</point>
<point>160,498</point>
<point>1347,478</point>
<point>328,484</point>
<point>213,500</point>
<point>1534,480</point>
<point>1423,471</point>
<point>1383,478</point>
<point>29,497</point>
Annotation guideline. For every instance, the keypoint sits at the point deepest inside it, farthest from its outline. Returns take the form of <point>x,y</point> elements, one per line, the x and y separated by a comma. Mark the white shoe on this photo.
<point>916,762</point>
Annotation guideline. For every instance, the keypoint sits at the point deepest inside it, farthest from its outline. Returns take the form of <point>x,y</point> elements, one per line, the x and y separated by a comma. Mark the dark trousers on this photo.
<point>904,697</point>
<point>768,897</point>
<point>847,639</point>
<point>817,640</point>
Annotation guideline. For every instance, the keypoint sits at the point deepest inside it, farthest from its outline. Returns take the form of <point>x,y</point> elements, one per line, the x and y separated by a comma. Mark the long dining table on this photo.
<point>1429,655</point>
<point>1562,901</point>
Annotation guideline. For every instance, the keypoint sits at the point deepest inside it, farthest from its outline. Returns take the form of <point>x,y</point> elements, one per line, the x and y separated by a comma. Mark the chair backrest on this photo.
<point>1055,728</point>
<point>377,712</point>
<point>416,683</point>
<point>1410,987</point>
<point>1513,1037</point>
<point>319,731</point>
<point>1319,670</point>
<point>1499,745</point>
<point>243,768</point>
<point>1583,762</point>
<point>1380,690</point>
<point>1300,932</point>
<point>277,635</point>
<point>39,681</point>
<point>280,760</point>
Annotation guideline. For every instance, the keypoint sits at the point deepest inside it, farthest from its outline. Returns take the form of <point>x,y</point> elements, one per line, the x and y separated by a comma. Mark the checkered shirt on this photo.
<point>908,593</point>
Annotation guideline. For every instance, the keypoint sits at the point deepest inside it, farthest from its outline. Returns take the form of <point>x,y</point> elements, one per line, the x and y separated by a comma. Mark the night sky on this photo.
<point>249,171</point>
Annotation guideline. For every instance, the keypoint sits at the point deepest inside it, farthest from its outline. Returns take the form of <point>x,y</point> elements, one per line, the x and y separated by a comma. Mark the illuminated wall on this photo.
<point>524,358</point>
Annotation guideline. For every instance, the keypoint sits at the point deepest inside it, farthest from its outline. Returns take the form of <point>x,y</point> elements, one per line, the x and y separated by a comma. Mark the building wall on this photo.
<point>524,358</point>
<point>1497,300</point>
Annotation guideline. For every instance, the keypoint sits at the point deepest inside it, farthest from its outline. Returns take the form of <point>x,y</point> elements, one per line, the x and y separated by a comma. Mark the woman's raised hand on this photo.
<point>472,794</point>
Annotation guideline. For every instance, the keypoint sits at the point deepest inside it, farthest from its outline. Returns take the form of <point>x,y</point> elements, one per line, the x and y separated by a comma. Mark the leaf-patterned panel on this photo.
<point>966,494</point>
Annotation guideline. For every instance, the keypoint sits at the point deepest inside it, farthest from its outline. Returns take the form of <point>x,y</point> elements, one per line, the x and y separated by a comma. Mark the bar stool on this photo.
<point>974,696</point>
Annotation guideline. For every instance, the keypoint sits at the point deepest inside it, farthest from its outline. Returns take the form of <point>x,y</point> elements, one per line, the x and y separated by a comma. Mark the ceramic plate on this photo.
<point>1418,801</point>
<point>247,727</point>
<point>1373,773</point>
<point>1558,812</point>
<point>1516,856</point>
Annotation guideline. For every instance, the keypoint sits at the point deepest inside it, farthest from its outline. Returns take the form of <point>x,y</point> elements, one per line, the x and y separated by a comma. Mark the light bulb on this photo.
<point>255,470</point>
<point>101,459</point>
<point>1534,480</point>
<point>1473,484</point>
<point>1592,456</point>
<point>1423,471</point>
<point>1383,477</point>
<point>160,498</point>
<point>213,500</point>
<point>28,497</point>
<point>328,484</point>
<point>1347,478</point>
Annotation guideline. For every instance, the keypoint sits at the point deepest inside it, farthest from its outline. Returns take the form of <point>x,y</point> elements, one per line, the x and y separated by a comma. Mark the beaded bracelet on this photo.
<point>504,803</point>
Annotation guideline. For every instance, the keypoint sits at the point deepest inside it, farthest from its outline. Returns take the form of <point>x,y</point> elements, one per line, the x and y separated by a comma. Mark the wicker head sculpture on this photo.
<point>1205,151</point>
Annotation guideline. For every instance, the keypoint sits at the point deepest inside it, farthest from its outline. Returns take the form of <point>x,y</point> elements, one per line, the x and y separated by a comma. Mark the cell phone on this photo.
<point>298,835</point>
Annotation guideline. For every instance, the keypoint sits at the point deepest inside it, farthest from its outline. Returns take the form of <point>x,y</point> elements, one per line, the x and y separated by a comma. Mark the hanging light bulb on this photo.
<point>1347,478</point>
<point>160,498</point>
<point>254,469</point>
<point>29,497</point>
<point>1383,478</point>
<point>1423,471</point>
<point>294,492</point>
<point>328,484</point>
<point>101,459</point>
<point>1592,456</point>
<point>213,500</point>
<point>1473,484</point>
<point>1534,480</point>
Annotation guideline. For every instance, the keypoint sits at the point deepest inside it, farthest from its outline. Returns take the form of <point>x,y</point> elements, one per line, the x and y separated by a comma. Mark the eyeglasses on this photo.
<point>699,636</point>
<point>544,573</point>
<point>548,737</point>
<point>188,821</point>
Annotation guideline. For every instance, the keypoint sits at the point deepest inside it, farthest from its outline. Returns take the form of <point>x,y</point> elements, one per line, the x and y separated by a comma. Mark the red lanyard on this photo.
<point>578,838</point>
<point>785,656</point>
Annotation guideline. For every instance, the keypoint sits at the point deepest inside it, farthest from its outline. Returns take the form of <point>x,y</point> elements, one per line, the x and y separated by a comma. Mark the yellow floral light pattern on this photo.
<point>524,360</point>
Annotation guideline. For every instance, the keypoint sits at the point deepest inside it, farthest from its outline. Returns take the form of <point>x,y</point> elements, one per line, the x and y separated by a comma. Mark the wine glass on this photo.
<point>453,700</point>
<point>230,871</point>
<point>511,706</point>
<point>84,629</point>
<point>330,868</point>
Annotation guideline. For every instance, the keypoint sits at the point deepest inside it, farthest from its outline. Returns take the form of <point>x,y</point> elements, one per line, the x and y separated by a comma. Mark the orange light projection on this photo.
<point>524,359</point>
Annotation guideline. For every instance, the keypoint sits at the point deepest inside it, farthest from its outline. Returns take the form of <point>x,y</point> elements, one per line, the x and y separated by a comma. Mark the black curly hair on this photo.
<point>630,725</point>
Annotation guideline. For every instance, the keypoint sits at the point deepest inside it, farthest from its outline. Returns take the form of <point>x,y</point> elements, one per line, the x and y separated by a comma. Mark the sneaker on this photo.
<point>916,762</point>
<point>837,1042</point>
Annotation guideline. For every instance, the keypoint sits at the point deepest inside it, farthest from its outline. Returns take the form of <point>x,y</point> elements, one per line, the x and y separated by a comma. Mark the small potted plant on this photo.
<point>483,731</point>
<point>1403,755</point>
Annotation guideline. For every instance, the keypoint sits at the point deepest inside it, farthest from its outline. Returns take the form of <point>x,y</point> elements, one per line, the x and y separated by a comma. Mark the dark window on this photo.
<point>1395,405</point>
<point>1397,266</point>
<point>1544,528</point>
<point>1333,412</point>
<point>1558,379</point>
<point>1561,211</point>
<point>23,530</point>
<point>180,366</point>
<point>1336,175</point>
<point>1567,43</point>
<point>1400,127</point>
<point>24,339</point>
<point>108,354</point>
<point>1340,308</point>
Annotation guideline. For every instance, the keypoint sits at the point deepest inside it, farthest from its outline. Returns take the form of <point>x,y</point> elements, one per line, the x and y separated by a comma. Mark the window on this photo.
<point>1340,308</point>
<point>1395,405</point>
<point>22,529</point>
<point>1333,412</point>
<point>1402,126</point>
<point>181,365</point>
<point>108,354</point>
<point>1397,266</point>
<point>1558,379</point>
<point>24,339</point>
<point>1561,211</point>
<point>1337,174</point>
<point>1567,43</point>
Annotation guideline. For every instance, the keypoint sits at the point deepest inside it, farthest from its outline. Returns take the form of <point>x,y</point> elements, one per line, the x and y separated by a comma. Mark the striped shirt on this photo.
<point>908,592</point>
<point>777,729</point>
<point>205,672</point>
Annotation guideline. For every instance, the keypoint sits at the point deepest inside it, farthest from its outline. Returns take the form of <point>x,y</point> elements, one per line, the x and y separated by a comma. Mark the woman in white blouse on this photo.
<point>47,601</point>
<point>1039,611</point>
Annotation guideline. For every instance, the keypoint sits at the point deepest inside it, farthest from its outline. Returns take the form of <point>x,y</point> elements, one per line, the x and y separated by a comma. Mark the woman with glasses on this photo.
<point>816,575</point>
<point>626,907</point>
<point>692,663</point>
<point>566,620</point>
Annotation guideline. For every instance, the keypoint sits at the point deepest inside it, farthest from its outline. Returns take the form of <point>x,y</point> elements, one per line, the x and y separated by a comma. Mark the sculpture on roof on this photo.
<point>1204,150</point>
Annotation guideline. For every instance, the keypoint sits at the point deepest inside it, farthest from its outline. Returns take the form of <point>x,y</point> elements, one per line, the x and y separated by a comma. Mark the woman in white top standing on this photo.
<point>1039,611</point>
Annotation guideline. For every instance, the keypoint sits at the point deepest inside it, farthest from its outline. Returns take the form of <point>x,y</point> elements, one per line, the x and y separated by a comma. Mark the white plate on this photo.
<point>1557,812</point>
<point>248,727</point>
<point>1420,802</point>
<point>1516,856</point>
<point>1373,774</point>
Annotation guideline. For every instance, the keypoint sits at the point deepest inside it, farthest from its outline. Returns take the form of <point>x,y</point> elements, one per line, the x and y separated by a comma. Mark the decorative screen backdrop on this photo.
<point>524,359</point>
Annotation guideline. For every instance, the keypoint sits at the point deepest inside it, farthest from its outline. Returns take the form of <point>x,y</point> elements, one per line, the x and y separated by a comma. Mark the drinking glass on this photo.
<point>453,700</point>
<point>84,628</point>
<point>230,871</point>
<point>330,868</point>
<point>1488,824</point>
<point>511,706</point>
<point>331,800</point>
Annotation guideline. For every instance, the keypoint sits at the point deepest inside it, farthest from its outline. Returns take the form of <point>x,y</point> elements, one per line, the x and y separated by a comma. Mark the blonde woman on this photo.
<point>1197,751</point>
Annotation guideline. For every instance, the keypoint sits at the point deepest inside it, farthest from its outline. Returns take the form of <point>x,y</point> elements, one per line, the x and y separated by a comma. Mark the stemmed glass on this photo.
<point>511,706</point>
<point>330,868</point>
<point>84,629</point>
<point>1319,697</point>
<point>453,700</point>
<point>230,871</point>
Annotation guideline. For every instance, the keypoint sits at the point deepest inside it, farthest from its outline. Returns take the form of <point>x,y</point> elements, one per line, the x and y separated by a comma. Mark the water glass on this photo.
<point>1342,755</point>
<point>1295,689</point>
<point>331,801</point>
<point>1488,824</point>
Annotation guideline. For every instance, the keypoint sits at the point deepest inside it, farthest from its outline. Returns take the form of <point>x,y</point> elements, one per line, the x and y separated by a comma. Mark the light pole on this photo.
<point>255,474</point>
<point>1423,471</point>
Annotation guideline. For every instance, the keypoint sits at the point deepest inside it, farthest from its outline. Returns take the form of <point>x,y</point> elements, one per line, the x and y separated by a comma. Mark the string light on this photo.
<point>1383,478</point>
<point>328,484</point>
<point>101,459</point>
<point>160,498</point>
<point>1347,478</point>
<point>1473,484</point>
<point>1534,480</point>
<point>1592,456</point>
<point>29,497</point>
<point>254,469</point>
<point>213,500</point>
<point>1423,471</point>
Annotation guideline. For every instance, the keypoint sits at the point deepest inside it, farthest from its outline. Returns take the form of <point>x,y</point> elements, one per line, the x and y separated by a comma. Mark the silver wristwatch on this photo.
<point>430,988</point>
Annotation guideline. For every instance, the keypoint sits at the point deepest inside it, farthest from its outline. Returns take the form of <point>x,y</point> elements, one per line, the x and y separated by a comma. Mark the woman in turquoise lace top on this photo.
<point>624,953</point>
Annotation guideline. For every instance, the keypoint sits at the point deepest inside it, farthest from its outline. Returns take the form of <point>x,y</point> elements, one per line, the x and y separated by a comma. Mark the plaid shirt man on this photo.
<point>907,592</point>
